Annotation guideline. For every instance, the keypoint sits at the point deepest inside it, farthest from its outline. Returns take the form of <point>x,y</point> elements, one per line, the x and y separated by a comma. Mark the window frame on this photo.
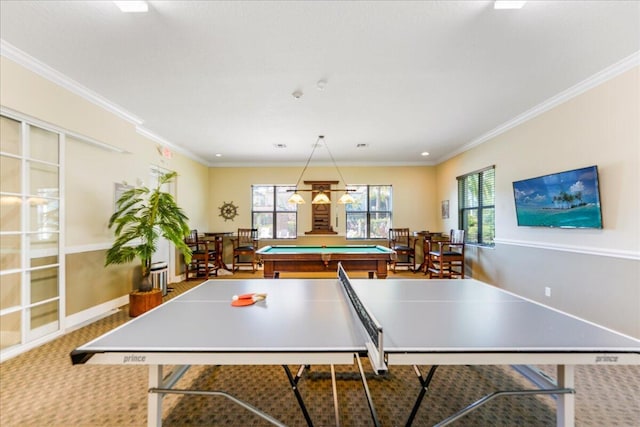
<point>480,208</point>
<point>274,212</point>
<point>369,213</point>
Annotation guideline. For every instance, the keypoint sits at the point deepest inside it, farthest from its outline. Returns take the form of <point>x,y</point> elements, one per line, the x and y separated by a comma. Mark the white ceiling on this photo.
<point>402,77</point>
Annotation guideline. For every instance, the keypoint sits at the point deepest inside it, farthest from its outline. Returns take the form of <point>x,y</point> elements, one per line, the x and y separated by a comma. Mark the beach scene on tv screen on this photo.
<point>566,199</point>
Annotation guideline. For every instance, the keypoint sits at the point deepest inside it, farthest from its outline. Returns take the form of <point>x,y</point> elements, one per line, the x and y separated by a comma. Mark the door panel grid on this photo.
<point>31,305</point>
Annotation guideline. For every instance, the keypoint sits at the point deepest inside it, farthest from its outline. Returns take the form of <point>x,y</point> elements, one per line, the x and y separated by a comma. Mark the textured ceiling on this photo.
<point>402,77</point>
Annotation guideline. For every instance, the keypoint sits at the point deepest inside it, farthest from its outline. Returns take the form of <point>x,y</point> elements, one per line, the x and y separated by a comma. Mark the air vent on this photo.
<point>280,145</point>
<point>362,145</point>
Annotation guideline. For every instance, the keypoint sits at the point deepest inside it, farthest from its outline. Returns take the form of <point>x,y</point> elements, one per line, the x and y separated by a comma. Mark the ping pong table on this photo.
<point>336,321</point>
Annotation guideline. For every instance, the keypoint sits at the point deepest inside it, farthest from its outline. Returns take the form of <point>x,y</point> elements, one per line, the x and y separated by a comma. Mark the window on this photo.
<point>476,205</point>
<point>271,214</point>
<point>370,216</point>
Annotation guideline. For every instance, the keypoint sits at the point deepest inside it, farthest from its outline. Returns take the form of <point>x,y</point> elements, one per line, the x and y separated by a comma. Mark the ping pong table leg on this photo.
<point>294,386</point>
<point>334,390</point>
<point>565,408</point>
<point>424,382</point>
<point>372,408</point>
<point>154,400</point>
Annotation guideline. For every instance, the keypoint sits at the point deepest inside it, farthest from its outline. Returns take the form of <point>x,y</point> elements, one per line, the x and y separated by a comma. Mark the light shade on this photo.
<point>346,199</point>
<point>297,199</point>
<point>321,199</point>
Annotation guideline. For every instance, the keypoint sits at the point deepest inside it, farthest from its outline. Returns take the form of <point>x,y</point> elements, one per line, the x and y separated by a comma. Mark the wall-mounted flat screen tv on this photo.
<point>569,199</point>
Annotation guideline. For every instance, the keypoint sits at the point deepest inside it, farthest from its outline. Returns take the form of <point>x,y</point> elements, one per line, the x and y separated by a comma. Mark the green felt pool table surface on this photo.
<point>291,249</point>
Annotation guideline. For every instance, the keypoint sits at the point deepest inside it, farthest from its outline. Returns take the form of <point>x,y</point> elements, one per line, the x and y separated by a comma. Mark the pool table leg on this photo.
<point>381,272</point>
<point>268,272</point>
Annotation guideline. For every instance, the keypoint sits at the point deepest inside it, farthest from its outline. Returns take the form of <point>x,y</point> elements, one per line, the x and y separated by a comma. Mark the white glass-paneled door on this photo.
<point>165,251</point>
<point>31,259</point>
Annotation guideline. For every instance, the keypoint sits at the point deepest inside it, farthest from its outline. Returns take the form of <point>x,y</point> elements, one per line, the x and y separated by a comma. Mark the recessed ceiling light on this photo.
<point>508,4</point>
<point>132,6</point>
<point>424,153</point>
<point>218,155</point>
<point>280,145</point>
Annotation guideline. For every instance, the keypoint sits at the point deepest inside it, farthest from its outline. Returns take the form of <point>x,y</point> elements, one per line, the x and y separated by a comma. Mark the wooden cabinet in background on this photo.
<point>321,213</point>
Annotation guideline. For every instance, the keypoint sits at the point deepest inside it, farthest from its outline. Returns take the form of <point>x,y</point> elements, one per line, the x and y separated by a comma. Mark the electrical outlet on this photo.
<point>547,291</point>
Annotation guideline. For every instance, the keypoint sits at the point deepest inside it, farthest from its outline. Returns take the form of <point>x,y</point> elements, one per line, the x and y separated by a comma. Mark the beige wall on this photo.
<point>89,283</point>
<point>89,178</point>
<point>594,274</point>
<point>413,193</point>
<point>413,198</point>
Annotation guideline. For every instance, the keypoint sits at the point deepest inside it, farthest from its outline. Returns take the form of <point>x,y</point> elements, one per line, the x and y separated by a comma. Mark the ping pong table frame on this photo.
<point>521,360</point>
<point>564,389</point>
<point>160,385</point>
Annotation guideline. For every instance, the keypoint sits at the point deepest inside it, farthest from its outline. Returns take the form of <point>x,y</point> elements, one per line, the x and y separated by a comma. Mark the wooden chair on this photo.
<point>401,242</point>
<point>446,258</point>
<point>203,258</point>
<point>245,245</point>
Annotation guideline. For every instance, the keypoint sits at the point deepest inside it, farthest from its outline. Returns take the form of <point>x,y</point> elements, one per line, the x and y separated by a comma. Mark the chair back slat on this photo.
<point>399,236</point>
<point>247,237</point>
<point>457,237</point>
<point>192,238</point>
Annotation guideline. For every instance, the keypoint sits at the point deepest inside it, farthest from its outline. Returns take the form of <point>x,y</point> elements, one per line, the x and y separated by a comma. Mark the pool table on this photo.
<point>289,258</point>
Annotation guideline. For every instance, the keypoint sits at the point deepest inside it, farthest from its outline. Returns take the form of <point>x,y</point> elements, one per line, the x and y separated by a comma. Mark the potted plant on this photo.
<point>141,217</point>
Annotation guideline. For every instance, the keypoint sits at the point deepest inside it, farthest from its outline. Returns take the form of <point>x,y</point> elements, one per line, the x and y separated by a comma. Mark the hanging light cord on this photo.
<point>336,165</point>
<point>309,160</point>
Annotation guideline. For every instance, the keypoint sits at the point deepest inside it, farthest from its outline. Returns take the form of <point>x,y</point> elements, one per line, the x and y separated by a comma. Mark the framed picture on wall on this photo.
<point>119,189</point>
<point>445,209</point>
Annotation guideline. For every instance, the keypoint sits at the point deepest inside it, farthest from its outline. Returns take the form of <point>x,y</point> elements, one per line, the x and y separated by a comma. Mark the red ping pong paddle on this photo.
<point>247,299</point>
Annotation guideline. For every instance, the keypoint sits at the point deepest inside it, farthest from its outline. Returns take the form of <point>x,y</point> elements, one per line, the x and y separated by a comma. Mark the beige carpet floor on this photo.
<point>42,388</point>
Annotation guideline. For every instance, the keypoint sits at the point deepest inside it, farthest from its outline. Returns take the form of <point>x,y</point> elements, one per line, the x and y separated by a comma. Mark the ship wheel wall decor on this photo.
<point>228,211</point>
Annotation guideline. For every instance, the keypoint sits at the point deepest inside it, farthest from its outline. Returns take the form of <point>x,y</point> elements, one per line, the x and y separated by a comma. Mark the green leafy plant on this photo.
<point>143,215</point>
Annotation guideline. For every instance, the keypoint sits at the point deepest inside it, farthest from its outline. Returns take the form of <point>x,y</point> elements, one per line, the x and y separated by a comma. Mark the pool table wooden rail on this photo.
<point>303,259</point>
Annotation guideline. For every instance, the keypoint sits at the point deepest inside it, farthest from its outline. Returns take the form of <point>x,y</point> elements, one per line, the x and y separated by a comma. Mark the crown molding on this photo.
<point>21,58</point>
<point>16,55</point>
<point>597,79</point>
<point>166,143</point>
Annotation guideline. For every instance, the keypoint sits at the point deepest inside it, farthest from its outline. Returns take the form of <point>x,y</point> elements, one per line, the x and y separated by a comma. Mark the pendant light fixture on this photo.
<point>321,197</point>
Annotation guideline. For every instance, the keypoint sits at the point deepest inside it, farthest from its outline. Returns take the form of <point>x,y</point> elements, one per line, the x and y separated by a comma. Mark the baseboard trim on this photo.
<point>90,315</point>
